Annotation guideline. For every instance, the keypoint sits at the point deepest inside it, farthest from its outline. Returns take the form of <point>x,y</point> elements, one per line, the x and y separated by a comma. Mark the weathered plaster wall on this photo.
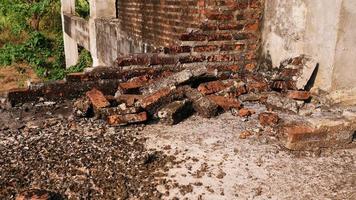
<point>319,28</point>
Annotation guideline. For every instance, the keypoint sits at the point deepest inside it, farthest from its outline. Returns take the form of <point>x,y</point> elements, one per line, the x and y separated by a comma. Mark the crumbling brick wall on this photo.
<point>225,32</point>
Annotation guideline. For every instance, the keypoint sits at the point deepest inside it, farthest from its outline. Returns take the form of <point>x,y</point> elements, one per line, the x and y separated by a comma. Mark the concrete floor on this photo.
<point>217,164</point>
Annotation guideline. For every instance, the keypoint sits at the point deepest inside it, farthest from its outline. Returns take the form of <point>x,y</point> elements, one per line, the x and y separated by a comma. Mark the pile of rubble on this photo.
<point>172,97</point>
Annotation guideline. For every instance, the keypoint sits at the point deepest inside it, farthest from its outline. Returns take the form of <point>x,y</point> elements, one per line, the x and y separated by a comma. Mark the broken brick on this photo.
<point>237,89</point>
<point>268,119</point>
<point>127,119</point>
<point>257,84</point>
<point>97,98</point>
<point>128,99</point>
<point>214,86</point>
<point>245,134</point>
<point>175,112</point>
<point>245,112</point>
<point>201,104</point>
<point>120,110</point>
<point>134,83</point>
<point>37,194</point>
<point>299,95</point>
<point>226,103</point>
<point>153,102</point>
<point>279,102</point>
<point>83,107</point>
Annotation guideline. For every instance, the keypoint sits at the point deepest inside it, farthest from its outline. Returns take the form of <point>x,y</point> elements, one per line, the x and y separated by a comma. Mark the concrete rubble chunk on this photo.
<point>175,112</point>
<point>175,79</point>
<point>202,104</point>
<point>307,70</point>
<point>127,119</point>
<point>225,103</point>
<point>279,102</point>
<point>268,119</point>
<point>98,99</point>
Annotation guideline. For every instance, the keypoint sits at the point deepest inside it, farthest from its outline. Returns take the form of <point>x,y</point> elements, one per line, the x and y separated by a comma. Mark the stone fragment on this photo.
<point>279,102</point>
<point>128,99</point>
<point>226,103</point>
<point>201,104</point>
<point>299,95</point>
<point>97,98</point>
<point>175,112</point>
<point>153,102</point>
<point>268,119</point>
<point>83,107</point>
<point>245,112</point>
<point>36,194</point>
<point>127,119</point>
<point>175,79</point>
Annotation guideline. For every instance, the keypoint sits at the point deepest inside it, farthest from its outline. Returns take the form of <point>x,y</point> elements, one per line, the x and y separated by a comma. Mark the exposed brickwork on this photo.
<point>225,32</point>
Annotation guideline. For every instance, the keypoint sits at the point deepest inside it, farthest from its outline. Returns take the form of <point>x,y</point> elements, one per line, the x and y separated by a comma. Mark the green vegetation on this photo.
<point>30,32</point>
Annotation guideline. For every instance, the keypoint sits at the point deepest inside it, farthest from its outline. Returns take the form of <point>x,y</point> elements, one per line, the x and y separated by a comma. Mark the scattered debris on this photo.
<point>36,194</point>
<point>268,119</point>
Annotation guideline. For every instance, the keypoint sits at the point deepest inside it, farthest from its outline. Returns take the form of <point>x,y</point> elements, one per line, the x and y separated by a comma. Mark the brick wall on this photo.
<point>224,33</point>
<point>158,22</point>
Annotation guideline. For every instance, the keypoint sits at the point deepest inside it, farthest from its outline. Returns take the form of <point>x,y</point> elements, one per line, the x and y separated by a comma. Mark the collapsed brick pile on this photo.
<point>171,97</point>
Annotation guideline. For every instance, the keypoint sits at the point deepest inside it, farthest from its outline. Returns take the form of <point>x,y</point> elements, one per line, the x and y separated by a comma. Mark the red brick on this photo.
<point>205,48</point>
<point>162,60</point>
<point>97,98</point>
<point>252,26</point>
<point>268,119</point>
<point>127,119</point>
<point>214,86</point>
<point>232,47</point>
<point>193,37</point>
<point>177,49</point>
<point>219,16</point>
<point>219,36</point>
<point>231,26</point>
<point>257,84</point>
<point>299,95</point>
<point>129,99</point>
<point>135,83</point>
<point>245,134</point>
<point>283,85</point>
<point>245,112</point>
<point>226,103</point>
<point>191,59</point>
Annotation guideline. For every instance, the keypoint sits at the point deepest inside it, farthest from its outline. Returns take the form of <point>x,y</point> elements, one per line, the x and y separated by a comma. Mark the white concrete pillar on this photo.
<point>99,9</point>
<point>70,45</point>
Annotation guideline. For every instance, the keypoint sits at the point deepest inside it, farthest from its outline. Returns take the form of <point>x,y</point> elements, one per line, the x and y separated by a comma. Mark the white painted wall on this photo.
<point>323,29</point>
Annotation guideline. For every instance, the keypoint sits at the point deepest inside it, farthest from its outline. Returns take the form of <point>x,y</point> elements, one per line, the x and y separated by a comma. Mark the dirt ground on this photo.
<point>16,76</point>
<point>43,146</point>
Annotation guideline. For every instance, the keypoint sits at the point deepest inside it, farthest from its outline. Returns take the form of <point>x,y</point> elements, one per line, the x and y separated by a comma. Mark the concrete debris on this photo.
<point>279,102</point>
<point>202,104</point>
